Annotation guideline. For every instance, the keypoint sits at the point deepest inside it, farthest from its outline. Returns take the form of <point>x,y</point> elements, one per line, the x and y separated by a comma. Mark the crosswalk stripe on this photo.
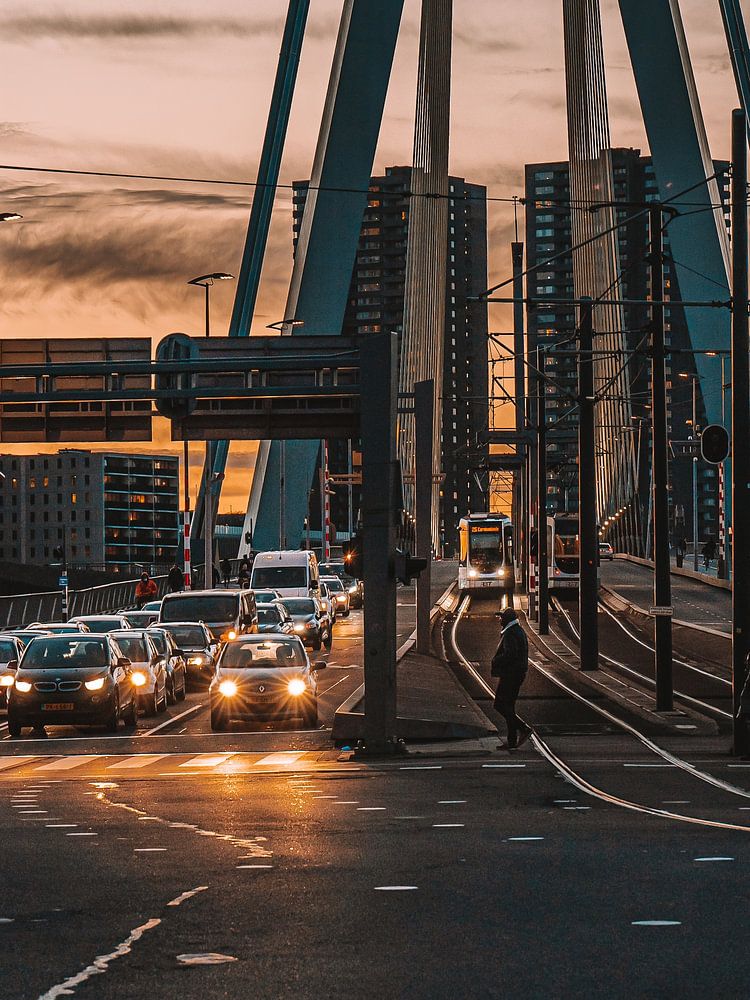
<point>207,760</point>
<point>14,762</point>
<point>141,760</point>
<point>66,763</point>
<point>281,758</point>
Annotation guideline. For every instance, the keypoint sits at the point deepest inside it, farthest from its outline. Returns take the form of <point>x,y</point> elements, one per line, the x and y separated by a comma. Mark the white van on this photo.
<point>292,574</point>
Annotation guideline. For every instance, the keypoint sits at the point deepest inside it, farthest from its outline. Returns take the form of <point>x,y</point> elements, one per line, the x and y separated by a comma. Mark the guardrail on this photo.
<point>22,609</point>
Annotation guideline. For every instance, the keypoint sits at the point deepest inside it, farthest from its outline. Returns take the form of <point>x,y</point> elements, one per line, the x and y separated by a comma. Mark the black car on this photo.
<point>354,587</point>
<point>274,618</point>
<point>72,680</point>
<point>11,649</point>
<point>174,663</point>
<point>198,646</point>
<point>311,623</point>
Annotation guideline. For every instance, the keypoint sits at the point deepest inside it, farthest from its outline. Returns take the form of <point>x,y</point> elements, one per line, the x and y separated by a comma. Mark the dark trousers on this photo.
<point>506,695</point>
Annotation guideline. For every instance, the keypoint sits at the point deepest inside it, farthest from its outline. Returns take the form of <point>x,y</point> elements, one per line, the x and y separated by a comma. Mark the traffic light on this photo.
<point>353,557</point>
<point>407,566</point>
<point>714,444</point>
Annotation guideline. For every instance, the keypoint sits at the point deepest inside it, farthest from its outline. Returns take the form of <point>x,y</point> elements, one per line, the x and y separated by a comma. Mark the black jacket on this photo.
<point>511,659</point>
<point>175,578</point>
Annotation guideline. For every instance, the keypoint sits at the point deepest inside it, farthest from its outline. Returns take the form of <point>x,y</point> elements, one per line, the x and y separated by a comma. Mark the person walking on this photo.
<point>708,551</point>
<point>145,590</point>
<point>175,579</point>
<point>509,664</point>
<point>243,577</point>
<point>226,571</point>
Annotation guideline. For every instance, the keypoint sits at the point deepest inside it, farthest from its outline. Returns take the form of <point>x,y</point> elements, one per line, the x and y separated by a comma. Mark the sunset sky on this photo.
<point>182,89</point>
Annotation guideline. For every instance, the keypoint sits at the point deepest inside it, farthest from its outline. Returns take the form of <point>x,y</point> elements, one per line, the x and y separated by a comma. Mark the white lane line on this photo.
<point>81,834</point>
<point>503,765</point>
<point>713,859</point>
<point>31,812</point>
<point>271,759</point>
<point>207,760</point>
<point>8,762</point>
<point>395,888</point>
<point>521,839</point>
<point>649,765</point>
<point>178,900</point>
<point>370,809</point>
<point>656,923</point>
<point>61,826</point>
<point>253,866</point>
<point>100,963</point>
<point>141,760</point>
<point>347,802</point>
<point>67,763</point>
<point>171,722</point>
<point>451,802</point>
<point>447,826</point>
<point>421,767</point>
<point>336,684</point>
<point>149,850</point>
<point>684,802</point>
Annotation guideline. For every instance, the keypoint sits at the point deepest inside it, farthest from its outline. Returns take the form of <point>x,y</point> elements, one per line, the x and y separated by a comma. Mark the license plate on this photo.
<point>488,583</point>
<point>59,706</point>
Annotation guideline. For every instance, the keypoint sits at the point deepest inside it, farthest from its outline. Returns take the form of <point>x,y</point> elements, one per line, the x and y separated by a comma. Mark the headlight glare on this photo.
<point>228,689</point>
<point>299,628</point>
<point>6,680</point>
<point>195,660</point>
<point>23,686</point>
<point>138,678</point>
<point>296,687</point>
<point>95,685</point>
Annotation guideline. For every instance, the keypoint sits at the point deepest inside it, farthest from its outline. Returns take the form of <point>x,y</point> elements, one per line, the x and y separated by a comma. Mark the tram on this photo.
<point>563,551</point>
<point>485,553</point>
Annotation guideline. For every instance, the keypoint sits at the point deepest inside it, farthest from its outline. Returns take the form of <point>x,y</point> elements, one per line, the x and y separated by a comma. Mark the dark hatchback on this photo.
<point>72,680</point>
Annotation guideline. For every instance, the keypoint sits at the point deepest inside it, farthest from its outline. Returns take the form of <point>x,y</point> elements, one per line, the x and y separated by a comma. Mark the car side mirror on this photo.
<point>12,665</point>
<point>320,665</point>
<point>123,661</point>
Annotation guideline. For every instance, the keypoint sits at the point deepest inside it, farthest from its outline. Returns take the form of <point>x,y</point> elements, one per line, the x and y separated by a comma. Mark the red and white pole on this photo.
<point>186,548</point>
<point>721,570</point>
<point>326,547</point>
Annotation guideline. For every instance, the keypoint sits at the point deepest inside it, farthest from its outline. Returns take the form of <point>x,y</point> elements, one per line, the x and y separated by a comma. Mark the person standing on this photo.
<point>510,664</point>
<point>145,590</point>
<point>175,579</point>
<point>226,571</point>
<point>243,577</point>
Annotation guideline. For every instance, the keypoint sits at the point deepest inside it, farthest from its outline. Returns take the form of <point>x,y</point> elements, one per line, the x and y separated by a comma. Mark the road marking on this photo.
<point>280,758</point>
<point>61,826</point>
<point>503,765</point>
<point>178,900</point>
<point>336,684</point>
<point>253,866</point>
<point>713,859</point>
<point>525,838</point>
<point>347,802</point>
<point>656,923</point>
<point>370,809</point>
<point>421,767</point>
<point>207,760</point>
<point>148,850</point>
<point>685,802</point>
<point>67,763</point>
<point>31,812</point>
<point>451,802</point>
<point>447,826</point>
<point>172,720</point>
<point>202,958</point>
<point>81,834</point>
<point>8,762</point>
<point>648,765</point>
<point>141,760</point>
<point>395,888</point>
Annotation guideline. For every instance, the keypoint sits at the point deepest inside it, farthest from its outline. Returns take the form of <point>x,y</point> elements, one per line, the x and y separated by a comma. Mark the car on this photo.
<point>339,594</point>
<point>58,628</point>
<point>101,624</point>
<point>11,650</point>
<point>293,572</point>
<point>326,599</point>
<point>266,596</point>
<point>148,673</point>
<point>26,634</point>
<point>274,617</point>
<point>174,663</point>
<point>79,679</point>
<point>152,606</point>
<point>139,619</point>
<point>355,588</point>
<point>226,613</point>
<point>311,623</point>
<point>198,647</point>
<point>606,551</point>
<point>264,676</point>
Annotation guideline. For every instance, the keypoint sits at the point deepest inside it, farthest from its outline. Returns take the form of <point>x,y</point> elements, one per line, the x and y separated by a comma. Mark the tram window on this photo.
<point>485,552</point>
<point>463,540</point>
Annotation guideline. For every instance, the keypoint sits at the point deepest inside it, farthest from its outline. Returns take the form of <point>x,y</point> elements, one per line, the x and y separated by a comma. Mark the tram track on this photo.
<point>569,771</point>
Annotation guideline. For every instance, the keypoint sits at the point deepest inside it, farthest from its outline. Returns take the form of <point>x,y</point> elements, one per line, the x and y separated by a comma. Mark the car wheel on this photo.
<point>219,721</point>
<point>112,720</point>
<point>171,692</point>
<point>346,613</point>
<point>149,701</point>
<point>14,726</point>
<point>131,716</point>
<point>329,640</point>
<point>310,717</point>
<point>180,695</point>
<point>316,643</point>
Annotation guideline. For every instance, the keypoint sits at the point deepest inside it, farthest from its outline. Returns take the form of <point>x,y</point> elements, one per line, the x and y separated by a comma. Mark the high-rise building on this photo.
<point>549,256</point>
<point>376,304</point>
<point>110,511</point>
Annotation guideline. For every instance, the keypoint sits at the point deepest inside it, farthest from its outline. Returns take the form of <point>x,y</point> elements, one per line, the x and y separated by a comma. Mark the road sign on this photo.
<point>62,582</point>
<point>661,612</point>
<point>715,444</point>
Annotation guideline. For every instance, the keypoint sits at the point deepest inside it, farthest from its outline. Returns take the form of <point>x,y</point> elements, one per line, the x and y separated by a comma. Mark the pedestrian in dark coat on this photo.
<point>176,579</point>
<point>510,663</point>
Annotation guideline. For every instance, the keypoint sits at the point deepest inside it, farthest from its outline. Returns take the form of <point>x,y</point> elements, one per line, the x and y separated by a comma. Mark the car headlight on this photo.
<point>138,678</point>
<point>23,686</point>
<point>472,572</point>
<point>299,627</point>
<point>95,685</point>
<point>195,660</point>
<point>501,572</point>
<point>352,590</point>
<point>296,687</point>
<point>6,680</point>
<point>228,689</point>
<point>340,597</point>
<point>311,625</point>
<point>231,634</point>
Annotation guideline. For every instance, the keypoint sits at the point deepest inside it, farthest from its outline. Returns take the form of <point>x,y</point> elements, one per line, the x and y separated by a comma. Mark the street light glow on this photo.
<point>10,216</point>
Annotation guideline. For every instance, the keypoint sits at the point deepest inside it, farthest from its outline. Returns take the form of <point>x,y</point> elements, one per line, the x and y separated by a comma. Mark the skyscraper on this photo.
<point>376,304</point>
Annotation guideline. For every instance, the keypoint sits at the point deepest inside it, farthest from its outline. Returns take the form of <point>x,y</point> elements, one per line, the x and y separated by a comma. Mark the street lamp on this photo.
<point>694,434</point>
<point>281,325</point>
<point>205,281</point>
<point>10,216</point>
<point>285,324</point>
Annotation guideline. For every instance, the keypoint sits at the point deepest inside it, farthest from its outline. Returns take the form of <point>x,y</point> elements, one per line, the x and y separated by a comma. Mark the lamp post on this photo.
<point>212,481</point>
<point>694,437</point>
<point>284,326</point>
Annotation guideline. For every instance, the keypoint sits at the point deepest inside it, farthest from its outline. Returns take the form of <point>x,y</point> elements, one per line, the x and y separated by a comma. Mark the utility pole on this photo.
<point>541,482</point>
<point>589,542</point>
<point>186,567</point>
<point>520,508</point>
<point>424,404</point>
<point>208,524</point>
<point>740,429</point>
<point>659,458</point>
<point>696,445</point>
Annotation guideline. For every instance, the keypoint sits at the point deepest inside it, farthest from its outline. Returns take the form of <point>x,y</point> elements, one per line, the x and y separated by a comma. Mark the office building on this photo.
<point>115,512</point>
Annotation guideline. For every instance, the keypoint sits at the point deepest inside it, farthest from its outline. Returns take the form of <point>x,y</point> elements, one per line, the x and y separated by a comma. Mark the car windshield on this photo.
<point>264,596</point>
<point>102,625</point>
<point>200,608</point>
<point>151,606</point>
<point>188,636</point>
<point>333,569</point>
<point>265,653</point>
<point>134,647</point>
<point>269,616</point>
<point>279,577</point>
<point>300,606</point>
<point>7,650</point>
<point>159,641</point>
<point>54,653</point>
<point>335,586</point>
